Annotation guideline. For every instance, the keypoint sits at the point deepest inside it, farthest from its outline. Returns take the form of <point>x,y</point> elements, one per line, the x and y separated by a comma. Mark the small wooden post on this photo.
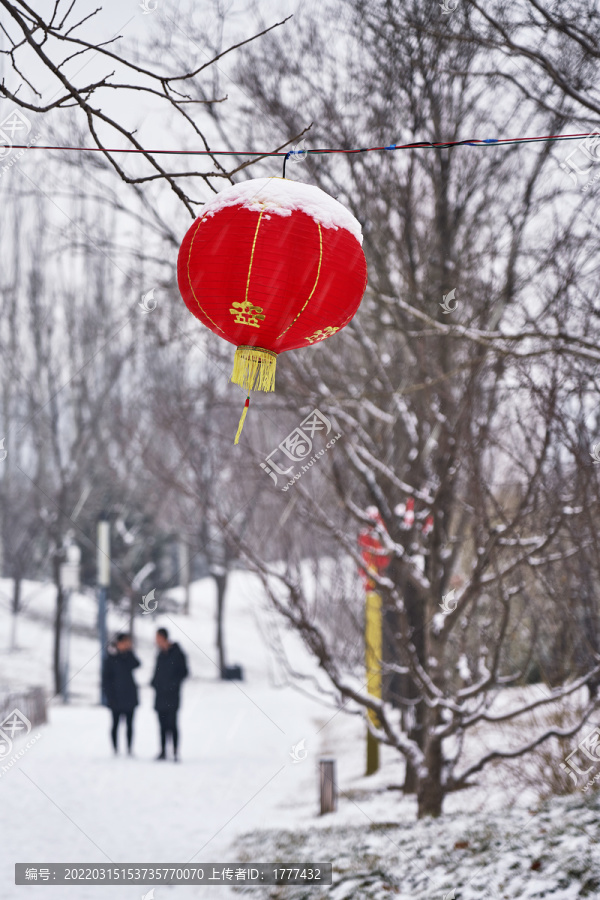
<point>38,705</point>
<point>327,784</point>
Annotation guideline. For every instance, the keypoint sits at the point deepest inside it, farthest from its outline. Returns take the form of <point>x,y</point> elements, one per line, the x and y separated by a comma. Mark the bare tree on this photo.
<point>67,359</point>
<point>460,410</point>
<point>84,432</point>
<point>557,49</point>
<point>66,34</point>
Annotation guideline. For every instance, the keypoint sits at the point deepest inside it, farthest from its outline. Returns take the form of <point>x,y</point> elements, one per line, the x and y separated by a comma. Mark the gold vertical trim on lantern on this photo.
<point>204,313</point>
<point>252,253</point>
<point>314,285</point>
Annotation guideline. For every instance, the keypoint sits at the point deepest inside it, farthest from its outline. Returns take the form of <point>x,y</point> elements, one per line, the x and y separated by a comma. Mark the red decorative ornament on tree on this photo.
<point>371,549</point>
<point>272,265</point>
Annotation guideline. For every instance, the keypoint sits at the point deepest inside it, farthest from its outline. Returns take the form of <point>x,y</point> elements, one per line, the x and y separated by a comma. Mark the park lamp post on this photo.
<point>103,583</point>
<point>69,581</point>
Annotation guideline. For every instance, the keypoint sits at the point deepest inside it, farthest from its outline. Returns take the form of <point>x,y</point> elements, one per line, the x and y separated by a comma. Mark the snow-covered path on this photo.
<point>68,799</point>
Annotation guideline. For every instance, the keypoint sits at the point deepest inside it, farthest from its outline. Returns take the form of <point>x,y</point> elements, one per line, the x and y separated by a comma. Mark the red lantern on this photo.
<point>272,265</point>
<point>371,549</point>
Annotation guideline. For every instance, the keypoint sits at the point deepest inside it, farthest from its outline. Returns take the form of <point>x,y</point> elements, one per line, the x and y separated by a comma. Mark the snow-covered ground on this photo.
<point>68,799</point>
<point>238,793</point>
<point>518,854</point>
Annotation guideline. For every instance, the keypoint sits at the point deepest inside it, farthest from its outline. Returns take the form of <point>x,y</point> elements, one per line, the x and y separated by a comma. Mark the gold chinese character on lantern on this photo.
<point>246,313</point>
<point>320,335</point>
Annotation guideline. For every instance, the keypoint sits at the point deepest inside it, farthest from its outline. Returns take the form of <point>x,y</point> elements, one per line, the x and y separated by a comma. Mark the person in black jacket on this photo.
<point>171,669</point>
<point>119,686</point>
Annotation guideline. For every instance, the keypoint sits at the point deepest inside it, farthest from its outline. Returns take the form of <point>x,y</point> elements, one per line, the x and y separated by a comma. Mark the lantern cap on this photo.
<point>281,197</point>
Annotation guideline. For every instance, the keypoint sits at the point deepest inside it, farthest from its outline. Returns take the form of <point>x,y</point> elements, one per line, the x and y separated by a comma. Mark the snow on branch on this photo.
<point>24,29</point>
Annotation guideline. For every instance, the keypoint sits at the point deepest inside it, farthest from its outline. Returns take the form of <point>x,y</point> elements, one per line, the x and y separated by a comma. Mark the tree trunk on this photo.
<point>415,615</point>
<point>57,623</point>
<point>430,798</point>
<point>430,792</point>
<point>132,611</point>
<point>16,604</point>
<point>411,782</point>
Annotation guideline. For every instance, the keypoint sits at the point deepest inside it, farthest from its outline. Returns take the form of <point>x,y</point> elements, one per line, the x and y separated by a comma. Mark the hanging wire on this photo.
<point>285,159</point>
<point>419,145</point>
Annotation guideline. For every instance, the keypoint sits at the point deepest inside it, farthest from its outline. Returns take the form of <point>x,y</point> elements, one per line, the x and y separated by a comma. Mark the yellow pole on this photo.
<point>373,652</point>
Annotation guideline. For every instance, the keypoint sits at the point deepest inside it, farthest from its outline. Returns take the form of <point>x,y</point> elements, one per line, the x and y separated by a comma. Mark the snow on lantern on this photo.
<point>272,265</point>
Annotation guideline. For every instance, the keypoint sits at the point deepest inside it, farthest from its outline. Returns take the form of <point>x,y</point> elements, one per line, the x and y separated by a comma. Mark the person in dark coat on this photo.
<point>119,686</point>
<point>171,669</point>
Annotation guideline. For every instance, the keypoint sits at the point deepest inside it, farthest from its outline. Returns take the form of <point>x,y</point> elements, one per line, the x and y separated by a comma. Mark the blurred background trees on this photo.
<point>467,383</point>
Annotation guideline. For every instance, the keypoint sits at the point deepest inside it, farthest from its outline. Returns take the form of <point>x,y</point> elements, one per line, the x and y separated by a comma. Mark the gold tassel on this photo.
<point>254,369</point>
<point>242,419</point>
